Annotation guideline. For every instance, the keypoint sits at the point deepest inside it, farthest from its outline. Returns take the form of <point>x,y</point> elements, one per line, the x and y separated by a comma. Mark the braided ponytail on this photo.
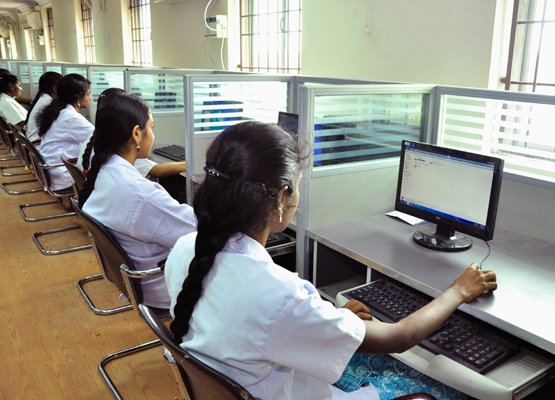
<point>246,166</point>
<point>120,112</point>
<point>47,84</point>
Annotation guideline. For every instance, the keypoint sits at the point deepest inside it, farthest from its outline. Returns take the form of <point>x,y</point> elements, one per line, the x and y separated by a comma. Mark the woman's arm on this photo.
<point>167,169</point>
<point>397,337</point>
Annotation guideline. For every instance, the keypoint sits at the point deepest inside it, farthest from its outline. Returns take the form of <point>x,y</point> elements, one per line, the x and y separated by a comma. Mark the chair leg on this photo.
<point>119,354</point>
<point>45,217</point>
<point>183,394</point>
<point>99,311</point>
<point>6,186</point>
<point>44,251</point>
<point>26,171</point>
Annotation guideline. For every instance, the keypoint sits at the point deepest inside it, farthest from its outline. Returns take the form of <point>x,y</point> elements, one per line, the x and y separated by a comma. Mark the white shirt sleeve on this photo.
<point>144,165</point>
<point>315,337</point>
<point>12,111</point>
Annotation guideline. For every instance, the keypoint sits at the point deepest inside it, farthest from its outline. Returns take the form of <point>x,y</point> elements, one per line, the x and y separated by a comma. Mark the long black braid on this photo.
<point>246,165</point>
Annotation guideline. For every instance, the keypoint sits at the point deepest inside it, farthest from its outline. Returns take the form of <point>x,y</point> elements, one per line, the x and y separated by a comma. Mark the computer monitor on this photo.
<point>457,190</point>
<point>289,122</point>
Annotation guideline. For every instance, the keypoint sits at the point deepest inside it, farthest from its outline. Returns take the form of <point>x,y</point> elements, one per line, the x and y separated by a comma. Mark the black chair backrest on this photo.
<point>201,381</point>
<point>108,251</point>
<point>37,161</point>
<point>76,174</point>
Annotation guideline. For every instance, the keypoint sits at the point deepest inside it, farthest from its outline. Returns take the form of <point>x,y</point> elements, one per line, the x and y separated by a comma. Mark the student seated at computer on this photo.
<point>13,112</point>
<point>146,167</point>
<point>143,217</point>
<point>19,98</point>
<point>48,86</point>
<point>256,322</point>
<point>62,128</point>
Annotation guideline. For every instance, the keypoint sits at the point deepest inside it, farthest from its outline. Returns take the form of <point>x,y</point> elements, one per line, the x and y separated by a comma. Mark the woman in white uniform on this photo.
<point>62,128</point>
<point>143,217</point>
<point>254,321</point>
<point>48,83</point>
<point>13,112</point>
<point>146,167</point>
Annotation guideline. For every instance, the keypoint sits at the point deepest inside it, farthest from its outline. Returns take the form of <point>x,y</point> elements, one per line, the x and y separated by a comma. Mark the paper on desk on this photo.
<point>409,219</point>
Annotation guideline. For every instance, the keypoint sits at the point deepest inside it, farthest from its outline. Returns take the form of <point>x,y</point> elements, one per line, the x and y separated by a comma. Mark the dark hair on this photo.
<point>4,71</point>
<point>6,81</point>
<point>85,163</point>
<point>114,123</point>
<point>47,83</point>
<point>247,165</point>
<point>71,88</point>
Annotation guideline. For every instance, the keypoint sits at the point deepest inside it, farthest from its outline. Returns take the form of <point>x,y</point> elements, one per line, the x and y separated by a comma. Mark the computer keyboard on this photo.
<point>461,338</point>
<point>276,238</point>
<point>173,152</point>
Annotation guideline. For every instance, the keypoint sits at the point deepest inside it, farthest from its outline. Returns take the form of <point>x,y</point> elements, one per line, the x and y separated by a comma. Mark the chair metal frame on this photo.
<point>103,259</point>
<point>16,150</point>
<point>41,170</point>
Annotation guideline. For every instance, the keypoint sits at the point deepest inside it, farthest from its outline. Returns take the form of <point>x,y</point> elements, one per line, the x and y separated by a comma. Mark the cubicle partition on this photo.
<point>214,102</point>
<point>54,66</point>
<point>353,134</point>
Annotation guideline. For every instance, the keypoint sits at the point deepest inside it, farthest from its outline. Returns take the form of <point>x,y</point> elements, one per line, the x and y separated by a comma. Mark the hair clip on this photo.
<point>213,172</point>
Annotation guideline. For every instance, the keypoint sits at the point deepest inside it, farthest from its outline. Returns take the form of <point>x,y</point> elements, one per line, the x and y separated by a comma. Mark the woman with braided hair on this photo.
<point>258,323</point>
<point>145,220</point>
<point>48,91</point>
<point>62,128</point>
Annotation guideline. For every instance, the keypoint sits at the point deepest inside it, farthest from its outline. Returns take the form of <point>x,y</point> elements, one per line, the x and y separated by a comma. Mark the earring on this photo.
<point>138,146</point>
<point>280,212</point>
<point>78,104</point>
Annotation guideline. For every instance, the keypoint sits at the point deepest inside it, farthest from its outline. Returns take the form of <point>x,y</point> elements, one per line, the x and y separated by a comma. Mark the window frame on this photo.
<point>87,25</point>
<point>527,44</point>
<point>140,26</point>
<point>285,60</point>
<point>51,34</point>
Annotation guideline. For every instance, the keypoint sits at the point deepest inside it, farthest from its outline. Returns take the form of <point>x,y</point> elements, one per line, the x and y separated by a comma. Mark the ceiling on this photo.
<point>13,7</point>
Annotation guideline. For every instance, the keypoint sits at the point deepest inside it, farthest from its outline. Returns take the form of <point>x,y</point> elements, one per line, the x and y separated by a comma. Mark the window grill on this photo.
<point>531,65</point>
<point>52,38</point>
<point>271,36</point>
<point>141,42</point>
<point>88,33</point>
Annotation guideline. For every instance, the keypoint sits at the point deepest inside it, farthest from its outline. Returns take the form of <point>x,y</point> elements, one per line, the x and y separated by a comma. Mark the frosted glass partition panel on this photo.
<point>103,79</point>
<point>53,67</point>
<point>37,70</point>
<point>517,127</point>
<point>24,73</point>
<point>362,127</point>
<point>163,92</point>
<point>217,105</point>
<point>81,70</point>
<point>4,64</point>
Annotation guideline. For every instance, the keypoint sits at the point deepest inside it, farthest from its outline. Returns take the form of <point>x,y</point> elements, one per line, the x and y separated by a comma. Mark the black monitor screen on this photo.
<point>457,190</point>
<point>289,122</point>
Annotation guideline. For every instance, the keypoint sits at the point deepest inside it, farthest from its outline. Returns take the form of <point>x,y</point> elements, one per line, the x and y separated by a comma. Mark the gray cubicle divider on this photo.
<point>354,133</point>
<point>214,102</point>
<point>54,66</point>
<point>104,77</point>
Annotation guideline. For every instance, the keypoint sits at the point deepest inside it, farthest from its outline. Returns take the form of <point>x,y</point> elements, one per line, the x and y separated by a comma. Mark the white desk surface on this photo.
<point>522,305</point>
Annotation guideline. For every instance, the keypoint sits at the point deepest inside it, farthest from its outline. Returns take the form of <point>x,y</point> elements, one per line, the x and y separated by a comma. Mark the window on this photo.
<point>141,43</point>
<point>531,65</point>
<point>3,49</point>
<point>88,33</point>
<point>271,36</point>
<point>29,45</point>
<point>52,39</point>
<point>516,128</point>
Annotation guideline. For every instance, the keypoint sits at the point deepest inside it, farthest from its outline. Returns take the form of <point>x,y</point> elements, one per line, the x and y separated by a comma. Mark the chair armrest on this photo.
<point>416,396</point>
<point>51,166</point>
<point>134,274</point>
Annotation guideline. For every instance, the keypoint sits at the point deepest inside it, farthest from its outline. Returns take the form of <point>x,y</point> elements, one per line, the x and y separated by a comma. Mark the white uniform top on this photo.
<point>145,220</point>
<point>11,110</point>
<point>32,127</point>
<point>143,165</point>
<point>263,326</point>
<point>63,139</point>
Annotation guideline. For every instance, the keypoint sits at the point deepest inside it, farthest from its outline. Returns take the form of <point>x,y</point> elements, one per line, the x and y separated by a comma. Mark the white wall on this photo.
<point>65,30</point>
<point>426,41</point>
<point>179,35</point>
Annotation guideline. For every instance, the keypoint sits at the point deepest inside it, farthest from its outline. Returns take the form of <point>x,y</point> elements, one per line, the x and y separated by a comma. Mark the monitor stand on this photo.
<point>443,239</point>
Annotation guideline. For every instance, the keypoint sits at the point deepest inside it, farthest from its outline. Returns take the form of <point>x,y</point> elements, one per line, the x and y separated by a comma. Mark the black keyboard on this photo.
<point>173,152</point>
<point>276,238</point>
<point>461,338</point>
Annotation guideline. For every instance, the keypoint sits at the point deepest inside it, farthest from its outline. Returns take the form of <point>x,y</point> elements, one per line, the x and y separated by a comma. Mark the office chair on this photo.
<point>16,151</point>
<point>76,174</point>
<point>201,381</point>
<point>41,171</point>
<point>109,255</point>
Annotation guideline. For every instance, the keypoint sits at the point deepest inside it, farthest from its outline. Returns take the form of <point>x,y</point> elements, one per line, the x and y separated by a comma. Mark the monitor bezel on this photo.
<point>485,233</point>
<point>288,114</point>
